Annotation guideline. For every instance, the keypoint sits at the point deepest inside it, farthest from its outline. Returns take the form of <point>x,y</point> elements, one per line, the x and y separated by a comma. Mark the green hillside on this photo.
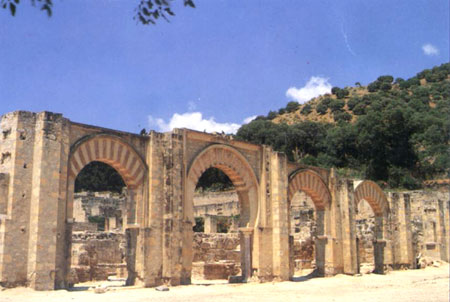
<point>395,132</point>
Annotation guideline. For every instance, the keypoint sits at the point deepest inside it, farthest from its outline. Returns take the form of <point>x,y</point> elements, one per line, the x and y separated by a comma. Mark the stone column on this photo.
<point>48,202</point>
<point>378,251</point>
<point>210,224</point>
<point>402,236</point>
<point>246,252</point>
<point>131,236</point>
<point>16,161</point>
<point>348,229</point>
<point>443,231</point>
<point>280,217</point>
<point>320,244</point>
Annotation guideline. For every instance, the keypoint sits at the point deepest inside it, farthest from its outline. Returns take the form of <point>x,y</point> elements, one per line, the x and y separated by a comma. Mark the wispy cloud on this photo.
<point>314,87</point>
<point>195,121</point>
<point>430,50</point>
<point>347,44</point>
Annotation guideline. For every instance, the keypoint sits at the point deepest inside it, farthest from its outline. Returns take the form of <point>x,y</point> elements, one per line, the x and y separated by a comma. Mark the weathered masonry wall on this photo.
<point>41,154</point>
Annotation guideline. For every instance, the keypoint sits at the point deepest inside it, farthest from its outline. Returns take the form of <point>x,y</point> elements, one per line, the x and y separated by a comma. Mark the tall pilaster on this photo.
<point>47,209</point>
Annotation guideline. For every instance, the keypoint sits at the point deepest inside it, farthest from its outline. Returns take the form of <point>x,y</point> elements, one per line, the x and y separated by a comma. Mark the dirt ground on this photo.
<point>430,284</point>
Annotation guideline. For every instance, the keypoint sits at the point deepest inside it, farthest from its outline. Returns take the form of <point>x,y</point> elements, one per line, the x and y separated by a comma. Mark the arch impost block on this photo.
<point>246,230</point>
<point>380,241</point>
<point>133,226</point>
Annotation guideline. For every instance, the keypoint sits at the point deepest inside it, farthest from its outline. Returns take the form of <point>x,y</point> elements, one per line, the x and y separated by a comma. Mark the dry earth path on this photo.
<point>430,284</point>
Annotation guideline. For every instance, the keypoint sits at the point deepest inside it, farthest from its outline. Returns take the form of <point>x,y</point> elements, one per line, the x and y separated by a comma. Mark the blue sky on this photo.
<point>211,67</point>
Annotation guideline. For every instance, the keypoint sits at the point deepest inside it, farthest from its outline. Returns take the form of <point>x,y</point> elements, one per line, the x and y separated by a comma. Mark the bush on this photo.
<point>326,101</point>
<point>385,79</point>
<point>335,90</point>
<point>292,106</point>
<point>359,109</point>
<point>281,111</point>
<point>342,93</point>
<point>199,226</point>
<point>337,105</point>
<point>342,116</point>
<point>271,115</point>
<point>351,103</point>
<point>306,109</point>
<point>374,86</point>
<point>321,109</point>
<point>385,86</point>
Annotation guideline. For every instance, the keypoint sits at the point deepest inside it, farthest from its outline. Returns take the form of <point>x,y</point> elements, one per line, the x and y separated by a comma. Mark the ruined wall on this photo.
<point>97,255</point>
<point>216,203</point>
<point>111,206</point>
<point>216,256</point>
<point>303,230</point>
<point>429,223</point>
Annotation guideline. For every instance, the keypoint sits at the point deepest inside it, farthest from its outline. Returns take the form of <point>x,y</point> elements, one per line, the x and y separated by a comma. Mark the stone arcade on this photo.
<point>42,153</point>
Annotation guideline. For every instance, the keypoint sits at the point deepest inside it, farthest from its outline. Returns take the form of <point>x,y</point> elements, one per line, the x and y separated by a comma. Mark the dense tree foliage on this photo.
<point>97,177</point>
<point>400,136</point>
<point>214,179</point>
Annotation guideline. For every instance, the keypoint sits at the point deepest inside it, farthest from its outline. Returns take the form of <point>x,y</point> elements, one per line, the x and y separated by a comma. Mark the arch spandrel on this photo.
<point>111,150</point>
<point>374,195</point>
<point>312,184</point>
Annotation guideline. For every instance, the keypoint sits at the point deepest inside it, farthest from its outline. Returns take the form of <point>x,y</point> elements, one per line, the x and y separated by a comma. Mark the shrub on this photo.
<point>292,106</point>
<point>342,93</point>
<point>321,108</point>
<point>271,115</point>
<point>342,116</point>
<point>336,105</point>
<point>306,109</point>
<point>335,90</point>
<point>385,79</point>
<point>351,103</point>
<point>359,109</point>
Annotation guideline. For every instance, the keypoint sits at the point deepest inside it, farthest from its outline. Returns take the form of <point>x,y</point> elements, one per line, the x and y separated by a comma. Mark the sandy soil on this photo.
<point>430,284</point>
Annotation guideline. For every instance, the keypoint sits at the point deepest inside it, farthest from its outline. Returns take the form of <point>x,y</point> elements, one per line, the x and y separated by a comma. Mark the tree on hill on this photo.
<point>401,135</point>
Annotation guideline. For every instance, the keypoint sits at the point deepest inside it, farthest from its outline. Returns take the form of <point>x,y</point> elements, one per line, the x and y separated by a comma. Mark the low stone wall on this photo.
<point>97,255</point>
<point>216,255</point>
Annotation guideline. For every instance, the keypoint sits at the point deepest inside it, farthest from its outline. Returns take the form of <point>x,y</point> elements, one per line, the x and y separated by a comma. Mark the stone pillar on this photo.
<point>280,216</point>
<point>187,253</point>
<point>47,215</point>
<point>402,235</point>
<point>442,230</point>
<point>131,236</point>
<point>154,210</point>
<point>320,244</point>
<point>246,252</point>
<point>210,224</point>
<point>16,164</point>
<point>378,251</point>
<point>345,199</point>
<point>444,219</point>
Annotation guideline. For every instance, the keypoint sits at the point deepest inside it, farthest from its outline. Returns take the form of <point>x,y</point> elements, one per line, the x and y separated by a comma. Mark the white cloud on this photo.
<point>195,121</point>
<point>314,87</point>
<point>430,50</point>
<point>249,119</point>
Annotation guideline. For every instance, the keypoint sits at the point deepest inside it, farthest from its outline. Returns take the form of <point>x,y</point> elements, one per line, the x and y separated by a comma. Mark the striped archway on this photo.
<point>234,165</point>
<point>111,150</point>
<point>374,195</point>
<point>312,184</point>
<point>237,168</point>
